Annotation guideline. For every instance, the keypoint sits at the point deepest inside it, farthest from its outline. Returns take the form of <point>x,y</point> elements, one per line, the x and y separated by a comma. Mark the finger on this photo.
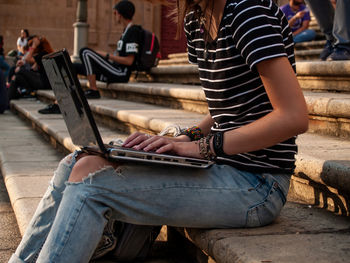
<point>149,140</point>
<point>131,138</point>
<point>139,138</point>
<point>166,148</point>
<point>155,144</point>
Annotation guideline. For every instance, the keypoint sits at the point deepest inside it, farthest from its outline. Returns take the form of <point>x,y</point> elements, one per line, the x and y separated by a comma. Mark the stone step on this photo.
<point>323,163</point>
<point>329,112</point>
<point>27,164</point>
<point>298,228</point>
<point>308,54</point>
<point>316,44</point>
<point>331,76</point>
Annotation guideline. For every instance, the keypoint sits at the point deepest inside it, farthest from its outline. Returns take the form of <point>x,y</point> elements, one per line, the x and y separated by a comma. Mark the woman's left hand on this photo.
<point>161,144</point>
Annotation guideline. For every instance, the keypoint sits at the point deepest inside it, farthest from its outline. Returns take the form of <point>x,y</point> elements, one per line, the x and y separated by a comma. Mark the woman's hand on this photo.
<point>181,145</point>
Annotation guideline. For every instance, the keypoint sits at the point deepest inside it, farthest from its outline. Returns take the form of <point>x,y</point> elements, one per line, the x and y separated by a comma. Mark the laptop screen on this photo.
<point>71,99</point>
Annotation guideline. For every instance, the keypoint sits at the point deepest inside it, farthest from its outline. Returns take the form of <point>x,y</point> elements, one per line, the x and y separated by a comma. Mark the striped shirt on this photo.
<point>250,31</point>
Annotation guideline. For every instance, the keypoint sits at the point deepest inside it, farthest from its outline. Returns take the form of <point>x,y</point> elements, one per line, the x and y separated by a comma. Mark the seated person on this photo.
<point>4,67</point>
<point>22,41</point>
<point>116,67</point>
<point>299,18</point>
<point>29,74</point>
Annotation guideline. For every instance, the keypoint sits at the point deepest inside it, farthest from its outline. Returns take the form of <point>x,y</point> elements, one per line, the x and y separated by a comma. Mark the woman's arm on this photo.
<point>288,118</point>
<point>304,26</point>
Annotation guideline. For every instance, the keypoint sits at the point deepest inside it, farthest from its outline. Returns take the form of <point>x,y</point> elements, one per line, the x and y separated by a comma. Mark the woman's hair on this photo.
<point>43,46</point>
<point>182,8</point>
<point>27,32</point>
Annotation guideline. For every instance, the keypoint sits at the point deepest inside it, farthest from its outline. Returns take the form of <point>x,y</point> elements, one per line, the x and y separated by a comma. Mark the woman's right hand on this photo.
<point>180,145</point>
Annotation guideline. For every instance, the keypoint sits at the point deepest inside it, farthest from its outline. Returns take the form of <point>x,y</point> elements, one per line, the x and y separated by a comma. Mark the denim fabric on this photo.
<point>306,35</point>
<point>334,24</point>
<point>218,197</point>
<point>4,66</point>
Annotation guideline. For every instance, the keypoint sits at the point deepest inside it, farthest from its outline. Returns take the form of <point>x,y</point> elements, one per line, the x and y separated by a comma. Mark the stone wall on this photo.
<point>54,19</point>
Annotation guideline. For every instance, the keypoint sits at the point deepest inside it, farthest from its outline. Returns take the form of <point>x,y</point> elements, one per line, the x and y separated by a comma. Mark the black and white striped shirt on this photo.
<point>250,31</point>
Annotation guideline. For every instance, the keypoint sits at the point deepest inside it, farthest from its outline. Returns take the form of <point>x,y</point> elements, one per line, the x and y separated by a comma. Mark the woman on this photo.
<point>29,74</point>
<point>22,41</point>
<point>244,52</point>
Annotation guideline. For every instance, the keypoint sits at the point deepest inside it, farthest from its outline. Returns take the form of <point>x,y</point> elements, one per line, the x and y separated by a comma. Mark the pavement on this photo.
<point>9,232</point>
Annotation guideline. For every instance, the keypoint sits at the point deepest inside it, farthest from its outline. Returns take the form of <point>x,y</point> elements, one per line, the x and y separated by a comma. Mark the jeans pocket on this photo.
<point>266,211</point>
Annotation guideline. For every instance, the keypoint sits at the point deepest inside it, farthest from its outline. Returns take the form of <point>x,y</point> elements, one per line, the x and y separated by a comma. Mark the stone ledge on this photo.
<point>298,228</point>
<point>322,160</point>
<point>289,239</point>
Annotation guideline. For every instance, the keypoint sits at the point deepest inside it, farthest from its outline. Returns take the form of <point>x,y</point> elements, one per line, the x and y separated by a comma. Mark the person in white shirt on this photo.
<point>22,41</point>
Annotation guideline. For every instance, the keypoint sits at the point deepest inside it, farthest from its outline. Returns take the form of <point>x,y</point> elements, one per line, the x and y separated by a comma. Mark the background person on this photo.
<point>335,24</point>
<point>299,19</point>
<point>114,67</point>
<point>22,41</point>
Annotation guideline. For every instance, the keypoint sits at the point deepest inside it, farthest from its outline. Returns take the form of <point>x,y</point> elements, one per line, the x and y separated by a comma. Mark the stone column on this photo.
<point>81,28</point>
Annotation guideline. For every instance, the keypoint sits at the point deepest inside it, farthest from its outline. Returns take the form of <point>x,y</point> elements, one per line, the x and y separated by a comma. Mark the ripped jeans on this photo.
<point>70,219</point>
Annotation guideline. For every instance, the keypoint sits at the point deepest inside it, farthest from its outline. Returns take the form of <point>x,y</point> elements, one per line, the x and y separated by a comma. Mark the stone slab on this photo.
<point>24,210</point>
<point>21,187</point>
<point>289,239</point>
<point>28,153</point>
<point>38,168</point>
<point>321,248</point>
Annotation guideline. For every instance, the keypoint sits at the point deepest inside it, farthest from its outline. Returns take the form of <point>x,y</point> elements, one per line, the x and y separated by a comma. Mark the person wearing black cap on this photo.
<point>115,67</point>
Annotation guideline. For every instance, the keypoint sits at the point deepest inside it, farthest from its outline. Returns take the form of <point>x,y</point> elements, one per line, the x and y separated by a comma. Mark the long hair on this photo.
<point>179,10</point>
<point>185,6</point>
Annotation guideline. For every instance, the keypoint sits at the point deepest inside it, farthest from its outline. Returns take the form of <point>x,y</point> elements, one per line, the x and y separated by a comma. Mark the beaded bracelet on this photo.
<point>195,133</point>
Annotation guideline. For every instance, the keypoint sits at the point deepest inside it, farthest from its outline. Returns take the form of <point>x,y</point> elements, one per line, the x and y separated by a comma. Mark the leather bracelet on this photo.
<point>218,143</point>
<point>107,56</point>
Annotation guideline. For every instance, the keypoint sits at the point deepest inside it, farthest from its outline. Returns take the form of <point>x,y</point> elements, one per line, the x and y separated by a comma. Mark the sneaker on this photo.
<point>92,94</point>
<point>50,109</point>
<point>339,53</point>
<point>327,50</point>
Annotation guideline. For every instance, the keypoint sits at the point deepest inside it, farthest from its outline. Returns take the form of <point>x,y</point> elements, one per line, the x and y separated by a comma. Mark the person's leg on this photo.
<point>4,66</point>
<point>40,225</point>
<point>156,195</point>
<point>3,93</point>
<point>306,35</point>
<point>95,64</point>
<point>341,28</point>
<point>341,31</point>
<point>324,14</point>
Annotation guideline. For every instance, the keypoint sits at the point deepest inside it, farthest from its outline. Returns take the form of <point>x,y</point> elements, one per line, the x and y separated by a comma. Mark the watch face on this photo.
<point>120,45</point>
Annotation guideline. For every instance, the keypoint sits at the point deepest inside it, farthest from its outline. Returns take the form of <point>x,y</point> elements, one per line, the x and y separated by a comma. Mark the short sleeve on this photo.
<point>190,33</point>
<point>132,40</point>
<point>257,31</point>
<point>307,15</point>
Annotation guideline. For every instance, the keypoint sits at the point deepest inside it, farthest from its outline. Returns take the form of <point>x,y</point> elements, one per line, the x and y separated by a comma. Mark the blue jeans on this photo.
<point>304,36</point>
<point>70,219</point>
<point>334,24</point>
<point>4,66</point>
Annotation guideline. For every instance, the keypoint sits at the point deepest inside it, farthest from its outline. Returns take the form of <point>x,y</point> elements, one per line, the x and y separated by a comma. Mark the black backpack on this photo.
<point>149,54</point>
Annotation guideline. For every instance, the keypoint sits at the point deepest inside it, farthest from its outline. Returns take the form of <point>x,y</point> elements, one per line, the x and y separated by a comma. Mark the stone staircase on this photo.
<point>317,212</point>
<point>170,94</point>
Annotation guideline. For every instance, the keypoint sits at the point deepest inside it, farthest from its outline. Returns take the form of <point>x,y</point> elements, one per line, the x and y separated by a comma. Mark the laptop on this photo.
<point>81,124</point>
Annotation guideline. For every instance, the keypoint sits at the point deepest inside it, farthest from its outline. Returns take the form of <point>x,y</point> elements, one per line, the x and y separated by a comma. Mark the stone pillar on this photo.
<point>81,28</point>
